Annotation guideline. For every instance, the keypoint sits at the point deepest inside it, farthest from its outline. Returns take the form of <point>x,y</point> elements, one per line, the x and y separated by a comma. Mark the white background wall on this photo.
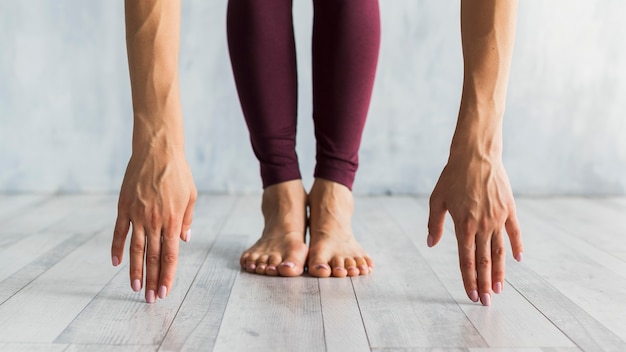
<point>65,114</point>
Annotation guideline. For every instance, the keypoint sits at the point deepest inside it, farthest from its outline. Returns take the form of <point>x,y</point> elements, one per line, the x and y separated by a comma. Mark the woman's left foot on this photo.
<point>333,250</point>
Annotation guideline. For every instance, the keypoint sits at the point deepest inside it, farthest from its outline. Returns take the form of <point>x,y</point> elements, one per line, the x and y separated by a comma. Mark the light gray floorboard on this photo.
<point>43,215</point>
<point>32,347</point>
<point>511,321</point>
<point>15,205</point>
<point>39,265</point>
<point>402,302</point>
<point>343,324</point>
<point>197,322</point>
<point>40,311</point>
<point>283,313</point>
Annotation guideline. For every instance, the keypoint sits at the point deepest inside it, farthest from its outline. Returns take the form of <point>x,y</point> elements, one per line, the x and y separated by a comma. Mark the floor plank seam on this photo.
<point>319,289</point>
<point>356,297</point>
<point>206,257</point>
<point>219,230</point>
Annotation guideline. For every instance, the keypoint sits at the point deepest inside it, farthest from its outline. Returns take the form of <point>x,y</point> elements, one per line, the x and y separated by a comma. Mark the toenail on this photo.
<point>262,266</point>
<point>321,266</point>
<point>288,265</point>
<point>340,268</point>
<point>364,268</point>
<point>252,266</point>
<point>271,267</point>
<point>352,268</point>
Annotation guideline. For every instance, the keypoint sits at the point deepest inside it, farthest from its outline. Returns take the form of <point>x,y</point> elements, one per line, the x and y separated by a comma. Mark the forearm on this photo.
<point>488,34</point>
<point>152,41</point>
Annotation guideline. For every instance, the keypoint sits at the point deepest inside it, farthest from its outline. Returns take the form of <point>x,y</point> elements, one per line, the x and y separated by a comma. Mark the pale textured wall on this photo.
<point>65,114</point>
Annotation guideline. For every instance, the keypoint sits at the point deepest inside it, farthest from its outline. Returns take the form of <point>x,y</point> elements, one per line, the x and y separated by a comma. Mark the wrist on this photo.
<point>477,136</point>
<point>158,137</point>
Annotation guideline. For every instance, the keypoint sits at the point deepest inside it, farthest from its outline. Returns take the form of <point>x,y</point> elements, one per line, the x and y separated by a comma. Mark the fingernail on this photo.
<point>519,257</point>
<point>497,288</point>
<point>162,292</point>
<point>473,296</point>
<point>150,296</point>
<point>136,285</point>
<point>430,241</point>
<point>188,235</point>
<point>288,265</point>
<point>115,260</point>
<point>321,266</point>
<point>485,298</point>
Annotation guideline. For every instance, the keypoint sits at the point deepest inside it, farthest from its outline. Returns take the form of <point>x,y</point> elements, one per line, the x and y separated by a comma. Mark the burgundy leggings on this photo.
<point>346,40</point>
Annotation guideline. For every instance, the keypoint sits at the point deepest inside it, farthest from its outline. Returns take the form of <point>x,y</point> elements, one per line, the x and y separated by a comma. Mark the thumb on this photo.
<point>185,232</point>
<point>436,219</point>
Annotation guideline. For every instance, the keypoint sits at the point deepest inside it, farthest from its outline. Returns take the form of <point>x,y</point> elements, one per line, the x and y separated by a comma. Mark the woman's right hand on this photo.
<point>157,197</point>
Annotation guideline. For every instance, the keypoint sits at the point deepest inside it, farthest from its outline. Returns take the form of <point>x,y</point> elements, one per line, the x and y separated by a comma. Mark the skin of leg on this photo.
<point>281,250</point>
<point>333,249</point>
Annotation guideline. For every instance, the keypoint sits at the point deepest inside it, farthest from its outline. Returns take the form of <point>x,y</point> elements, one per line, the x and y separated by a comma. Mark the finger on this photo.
<point>120,232</point>
<point>483,267</point>
<point>436,220</point>
<point>515,234</point>
<point>185,233</point>
<point>498,260</point>
<point>137,251</point>
<point>169,260</point>
<point>467,259</point>
<point>153,263</point>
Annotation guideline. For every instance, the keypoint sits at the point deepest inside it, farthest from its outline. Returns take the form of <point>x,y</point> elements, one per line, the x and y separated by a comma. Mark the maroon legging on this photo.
<point>346,40</point>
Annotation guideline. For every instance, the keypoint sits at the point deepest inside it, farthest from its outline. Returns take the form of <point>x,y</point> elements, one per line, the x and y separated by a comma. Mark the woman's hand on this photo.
<point>157,196</point>
<point>476,192</point>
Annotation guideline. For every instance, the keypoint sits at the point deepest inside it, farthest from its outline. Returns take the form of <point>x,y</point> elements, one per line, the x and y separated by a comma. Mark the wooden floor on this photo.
<point>58,291</point>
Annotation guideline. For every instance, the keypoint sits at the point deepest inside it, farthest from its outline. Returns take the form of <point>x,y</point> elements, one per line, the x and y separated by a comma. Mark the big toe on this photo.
<point>319,267</point>
<point>290,267</point>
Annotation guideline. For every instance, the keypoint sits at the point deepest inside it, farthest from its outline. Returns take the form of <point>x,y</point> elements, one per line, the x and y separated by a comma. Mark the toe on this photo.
<point>362,265</point>
<point>243,260</point>
<point>290,267</point>
<point>261,264</point>
<point>338,269</point>
<point>272,265</point>
<point>318,267</point>
<point>251,263</point>
<point>351,267</point>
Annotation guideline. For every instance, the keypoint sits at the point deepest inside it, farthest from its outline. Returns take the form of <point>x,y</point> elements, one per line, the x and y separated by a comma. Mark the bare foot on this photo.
<point>281,250</point>
<point>333,249</point>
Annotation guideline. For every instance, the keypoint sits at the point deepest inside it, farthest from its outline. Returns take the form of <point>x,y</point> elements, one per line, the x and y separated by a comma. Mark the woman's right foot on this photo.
<point>281,250</point>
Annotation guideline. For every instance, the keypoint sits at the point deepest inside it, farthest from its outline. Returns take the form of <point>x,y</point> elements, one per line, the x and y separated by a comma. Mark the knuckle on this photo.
<point>153,259</point>
<point>169,258</point>
<point>498,273</point>
<point>136,273</point>
<point>137,248</point>
<point>467,265</point>
<point>499,252</point>
<point>484,261</point>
